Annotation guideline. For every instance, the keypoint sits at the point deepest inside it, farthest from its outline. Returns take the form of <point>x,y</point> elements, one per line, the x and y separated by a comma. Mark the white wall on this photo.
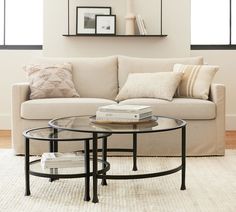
<point>176,23</point>
<point>11,63</point>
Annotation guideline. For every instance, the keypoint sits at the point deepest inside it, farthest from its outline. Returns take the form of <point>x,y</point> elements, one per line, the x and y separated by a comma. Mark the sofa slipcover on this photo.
<point>97,82</point>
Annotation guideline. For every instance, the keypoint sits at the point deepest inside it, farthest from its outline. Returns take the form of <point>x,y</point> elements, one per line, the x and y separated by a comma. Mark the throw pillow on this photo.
<point>196,80</point>
<point>51,81</point>
<point>161,85</point>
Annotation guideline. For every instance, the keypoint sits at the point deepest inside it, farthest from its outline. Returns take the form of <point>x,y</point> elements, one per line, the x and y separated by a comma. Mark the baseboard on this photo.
<point>5,122</point>
<point>230,122</point>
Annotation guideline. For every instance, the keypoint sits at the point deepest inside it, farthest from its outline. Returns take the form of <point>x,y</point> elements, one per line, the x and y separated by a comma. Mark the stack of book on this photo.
<point>141,26</point>
<point>61,160</point>
<point>123,113</point>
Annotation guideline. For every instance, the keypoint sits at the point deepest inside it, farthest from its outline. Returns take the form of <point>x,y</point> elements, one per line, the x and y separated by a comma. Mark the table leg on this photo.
<point>27,177</point>
<point>183,187</point>
<point>95,180</point>
<point>87,170</point>
<point>53,147</point>
<point>135,152</point>
<point>104,157</point>
<point>55,143</point>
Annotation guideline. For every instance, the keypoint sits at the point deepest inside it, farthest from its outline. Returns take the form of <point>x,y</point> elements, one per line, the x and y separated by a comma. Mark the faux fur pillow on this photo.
<point>161,85</point>
<point>196,80</point>
<point>51,81</point>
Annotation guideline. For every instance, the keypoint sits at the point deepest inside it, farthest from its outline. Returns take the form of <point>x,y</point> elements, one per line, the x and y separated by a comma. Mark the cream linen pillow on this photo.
<point>161,85</point>
<point>196,80</point>
<point>51,81</point>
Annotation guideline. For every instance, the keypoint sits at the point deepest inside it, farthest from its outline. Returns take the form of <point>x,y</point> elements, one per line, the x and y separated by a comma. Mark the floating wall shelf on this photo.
<point>102,35</point>
<point>96,35</point>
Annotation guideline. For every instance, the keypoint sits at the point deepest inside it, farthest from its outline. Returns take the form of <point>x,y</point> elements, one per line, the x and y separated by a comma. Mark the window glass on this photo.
<point>209,22</point>
<point>1,21</point>
<point>233,24</point>
<point>24,22</point>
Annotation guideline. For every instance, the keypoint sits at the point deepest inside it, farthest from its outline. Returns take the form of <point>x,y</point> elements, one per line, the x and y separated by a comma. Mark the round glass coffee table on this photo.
<point>157,124</point>
<point>53,137</point>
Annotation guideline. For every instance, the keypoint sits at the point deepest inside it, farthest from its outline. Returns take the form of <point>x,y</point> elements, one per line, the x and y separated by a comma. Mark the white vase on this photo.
<point>129,18</point>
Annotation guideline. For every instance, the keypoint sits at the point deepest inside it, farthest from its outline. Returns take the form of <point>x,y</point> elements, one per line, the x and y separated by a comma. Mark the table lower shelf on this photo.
<point>75,172</point>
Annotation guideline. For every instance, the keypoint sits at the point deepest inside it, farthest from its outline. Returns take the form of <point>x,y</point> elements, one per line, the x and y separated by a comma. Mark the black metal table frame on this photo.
<point>104,149</point>
<point>97,176</point>
<point>53,147</point>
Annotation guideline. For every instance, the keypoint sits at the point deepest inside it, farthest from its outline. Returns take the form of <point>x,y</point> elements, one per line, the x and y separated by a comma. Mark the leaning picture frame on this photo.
<point>86,18</point>
<point>105,24</point>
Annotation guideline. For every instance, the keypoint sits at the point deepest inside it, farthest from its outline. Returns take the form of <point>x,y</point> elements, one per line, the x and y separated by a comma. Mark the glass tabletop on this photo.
<point>86,124</point>
<point>48,133</point>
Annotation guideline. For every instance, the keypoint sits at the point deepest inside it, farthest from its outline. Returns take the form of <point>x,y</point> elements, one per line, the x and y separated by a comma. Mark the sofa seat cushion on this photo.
<point>183,108</point>
<point>61,107</point>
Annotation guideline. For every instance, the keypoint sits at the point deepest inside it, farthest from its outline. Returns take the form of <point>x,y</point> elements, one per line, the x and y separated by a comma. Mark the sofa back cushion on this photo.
<point>141,65</point>
<point>92,77</point>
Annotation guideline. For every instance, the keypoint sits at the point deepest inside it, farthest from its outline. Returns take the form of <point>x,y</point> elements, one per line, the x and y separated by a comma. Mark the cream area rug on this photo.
<point>210,181</point>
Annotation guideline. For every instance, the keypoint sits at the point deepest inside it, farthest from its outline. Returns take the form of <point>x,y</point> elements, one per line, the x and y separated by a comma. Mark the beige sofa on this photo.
<point>98,80</point>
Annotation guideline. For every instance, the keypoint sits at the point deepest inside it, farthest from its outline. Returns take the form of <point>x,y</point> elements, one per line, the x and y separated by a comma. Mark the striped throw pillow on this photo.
<point>196,80</point>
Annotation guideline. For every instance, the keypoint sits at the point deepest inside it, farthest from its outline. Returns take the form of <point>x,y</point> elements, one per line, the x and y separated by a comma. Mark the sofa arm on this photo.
<point>217,93</point>
<point>20,93</point>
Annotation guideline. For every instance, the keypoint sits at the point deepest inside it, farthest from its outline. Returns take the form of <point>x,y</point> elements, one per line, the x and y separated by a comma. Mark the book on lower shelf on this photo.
<point>61,160</point>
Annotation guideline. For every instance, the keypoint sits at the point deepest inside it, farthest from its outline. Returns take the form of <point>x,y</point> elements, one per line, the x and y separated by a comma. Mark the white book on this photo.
<point>61,160</point>
<point>136,116</point>
<point>144,27</point>
<point>123,120</point>
<point>57,156</point>
<point>61,164</point>
<point>125,108</point>
<point>139,24</point>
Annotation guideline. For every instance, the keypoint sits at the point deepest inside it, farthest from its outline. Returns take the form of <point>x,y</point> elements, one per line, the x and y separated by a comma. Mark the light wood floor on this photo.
<point>5,139</point>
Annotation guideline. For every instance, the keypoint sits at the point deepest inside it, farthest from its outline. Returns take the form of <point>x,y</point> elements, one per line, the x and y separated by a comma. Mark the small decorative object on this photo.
<point>130,18</point>
<point>85,18</point>
<point>105,24</point>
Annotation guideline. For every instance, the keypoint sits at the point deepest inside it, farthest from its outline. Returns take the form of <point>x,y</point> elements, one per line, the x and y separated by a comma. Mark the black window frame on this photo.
<point>14,47</point>
<point>229,46</point>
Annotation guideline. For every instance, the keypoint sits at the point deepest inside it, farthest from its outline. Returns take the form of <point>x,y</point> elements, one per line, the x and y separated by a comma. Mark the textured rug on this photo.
<point>210,181</point>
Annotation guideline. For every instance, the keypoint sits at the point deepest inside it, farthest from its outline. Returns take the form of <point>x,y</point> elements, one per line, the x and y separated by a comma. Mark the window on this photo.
<point>233,21</point>
<point>213,24</point>
<point>1,21</point>
<point>21,24</point>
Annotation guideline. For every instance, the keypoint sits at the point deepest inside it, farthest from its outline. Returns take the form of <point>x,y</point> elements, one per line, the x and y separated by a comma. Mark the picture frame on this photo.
<point>105,24</point>
<point>86,18</point>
